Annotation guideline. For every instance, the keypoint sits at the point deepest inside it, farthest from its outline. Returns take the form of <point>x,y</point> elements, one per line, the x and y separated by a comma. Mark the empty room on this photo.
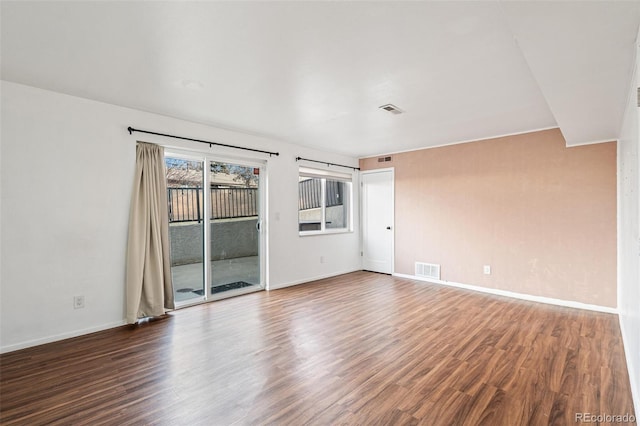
<point>416,213</point>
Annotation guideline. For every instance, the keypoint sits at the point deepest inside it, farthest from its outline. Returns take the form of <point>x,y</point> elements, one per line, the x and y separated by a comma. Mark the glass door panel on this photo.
<point>235,228</point>
<point>186,227</point>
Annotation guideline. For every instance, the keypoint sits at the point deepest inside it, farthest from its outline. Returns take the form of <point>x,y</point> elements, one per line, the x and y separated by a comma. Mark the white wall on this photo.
<point>67,167</point>
<point>629,239</point>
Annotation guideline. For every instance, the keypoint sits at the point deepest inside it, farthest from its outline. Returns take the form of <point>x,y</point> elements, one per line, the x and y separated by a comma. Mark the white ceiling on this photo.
<point>315,73</point>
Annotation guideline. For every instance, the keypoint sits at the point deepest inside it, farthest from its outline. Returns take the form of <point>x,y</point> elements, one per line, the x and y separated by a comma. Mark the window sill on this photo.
<point>325,232</point>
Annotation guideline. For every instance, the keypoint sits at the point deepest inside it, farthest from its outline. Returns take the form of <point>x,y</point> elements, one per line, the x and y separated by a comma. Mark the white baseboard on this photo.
<point>633,375</point>
<point>307,280</point>
<point>57,337</point>
<point>76,333</point>
<point>522,296</point>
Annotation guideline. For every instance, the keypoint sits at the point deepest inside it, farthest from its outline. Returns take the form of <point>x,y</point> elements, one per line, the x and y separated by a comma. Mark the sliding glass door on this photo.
<point>219,221</point>
<point>186,227</point>
<point>235,227</point>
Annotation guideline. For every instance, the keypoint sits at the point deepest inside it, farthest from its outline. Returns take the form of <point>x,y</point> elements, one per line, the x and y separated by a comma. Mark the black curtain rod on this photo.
<point>131,130</point>
<point>328,164</point>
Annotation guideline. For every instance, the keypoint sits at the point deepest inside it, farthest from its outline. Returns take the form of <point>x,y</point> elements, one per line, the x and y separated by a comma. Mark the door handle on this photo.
<point>258,225</point>
<point>388,227</point>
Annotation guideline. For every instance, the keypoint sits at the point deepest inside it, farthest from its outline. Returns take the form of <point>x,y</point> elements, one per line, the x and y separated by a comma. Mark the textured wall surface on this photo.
<point>542,215</point>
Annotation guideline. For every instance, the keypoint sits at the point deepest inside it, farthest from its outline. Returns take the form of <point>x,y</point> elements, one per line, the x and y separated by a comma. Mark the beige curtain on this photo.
<point>149,289</point>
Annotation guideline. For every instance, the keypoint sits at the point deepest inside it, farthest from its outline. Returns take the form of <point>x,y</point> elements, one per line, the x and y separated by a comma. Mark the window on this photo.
<point>324,202</point>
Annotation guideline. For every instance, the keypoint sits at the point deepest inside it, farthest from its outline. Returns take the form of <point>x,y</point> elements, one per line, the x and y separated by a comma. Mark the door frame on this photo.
<point>393,216</point>
<point>263,245</point>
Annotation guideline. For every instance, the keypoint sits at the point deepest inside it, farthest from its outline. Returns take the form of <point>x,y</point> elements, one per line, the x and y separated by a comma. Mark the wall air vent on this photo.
<point>391,108</point>
<point>427,270</point>
<point>383,159</point>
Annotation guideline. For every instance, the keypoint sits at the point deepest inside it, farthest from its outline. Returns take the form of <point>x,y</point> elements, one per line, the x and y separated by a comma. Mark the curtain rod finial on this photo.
<point>130,129</point>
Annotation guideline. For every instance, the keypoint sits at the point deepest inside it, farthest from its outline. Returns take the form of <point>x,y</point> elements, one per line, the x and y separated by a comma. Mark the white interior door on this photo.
<point>377,221</point>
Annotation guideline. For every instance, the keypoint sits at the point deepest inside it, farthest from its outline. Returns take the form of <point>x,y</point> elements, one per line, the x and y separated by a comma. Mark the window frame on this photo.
<point>323,176</point>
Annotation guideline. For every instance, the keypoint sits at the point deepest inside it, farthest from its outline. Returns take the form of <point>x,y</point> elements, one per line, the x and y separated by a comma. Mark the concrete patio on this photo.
<point>223,272</point>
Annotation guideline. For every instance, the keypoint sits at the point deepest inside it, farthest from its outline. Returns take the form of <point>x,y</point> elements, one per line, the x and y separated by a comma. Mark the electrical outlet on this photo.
<point>78,302</point>
<point>487,269</point>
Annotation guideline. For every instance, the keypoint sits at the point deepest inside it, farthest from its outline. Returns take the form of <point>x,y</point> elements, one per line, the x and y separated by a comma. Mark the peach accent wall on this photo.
<point>541,214</point>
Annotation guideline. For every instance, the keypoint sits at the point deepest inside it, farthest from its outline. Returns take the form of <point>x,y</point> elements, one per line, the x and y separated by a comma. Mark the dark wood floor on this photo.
<point>361,348</point>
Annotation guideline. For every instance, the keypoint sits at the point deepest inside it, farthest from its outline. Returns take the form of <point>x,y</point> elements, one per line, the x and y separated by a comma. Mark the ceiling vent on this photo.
<point>428,270</point>
<point>391,108</point>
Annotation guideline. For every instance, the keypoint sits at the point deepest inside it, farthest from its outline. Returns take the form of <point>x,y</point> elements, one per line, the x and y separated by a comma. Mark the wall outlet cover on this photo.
<point>78,302</point>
